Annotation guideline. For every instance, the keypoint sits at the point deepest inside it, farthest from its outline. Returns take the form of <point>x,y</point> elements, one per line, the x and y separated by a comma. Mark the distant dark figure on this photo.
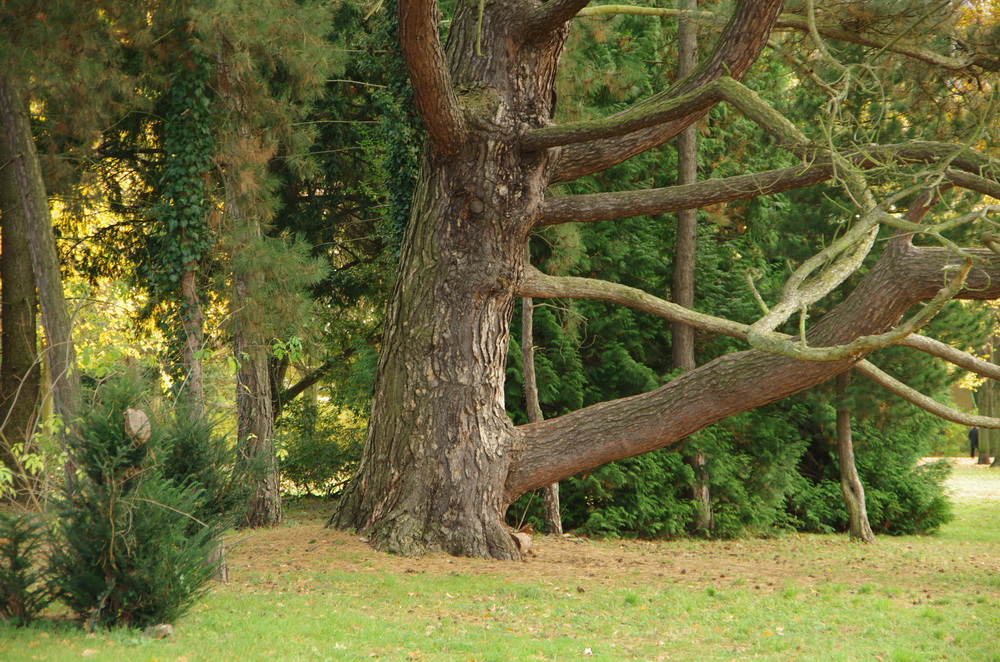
<point>973,442</point>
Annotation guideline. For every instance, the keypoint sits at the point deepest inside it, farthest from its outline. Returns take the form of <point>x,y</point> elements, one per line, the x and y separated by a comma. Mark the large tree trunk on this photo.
<point>442,460</point>
<point>440,443</point>
<point>685,260</point>
<point>850,482</point>
<point>41,244</point>
<point>20,369</point>
<point>550,493</point>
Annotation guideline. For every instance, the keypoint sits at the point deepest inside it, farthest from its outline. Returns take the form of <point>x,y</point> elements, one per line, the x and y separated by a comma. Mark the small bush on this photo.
<point>24,591</point>
<point>196,456</point>
<point>902,498</point>
<point>320,445</point>
<point>128,548</point>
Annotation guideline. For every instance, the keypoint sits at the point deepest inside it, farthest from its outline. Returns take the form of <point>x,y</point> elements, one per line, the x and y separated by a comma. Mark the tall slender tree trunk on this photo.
<point>550,493</point>
<point>254,402</point>
<point>34,206</point>
<point>20,369</point>
<point>194,340</point>
<point>988,407</point>
<point>993,438</point>
<point>685,260</point>
<point>850,483</point>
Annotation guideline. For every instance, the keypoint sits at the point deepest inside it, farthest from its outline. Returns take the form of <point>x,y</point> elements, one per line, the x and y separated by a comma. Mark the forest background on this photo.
<point>226,189</point>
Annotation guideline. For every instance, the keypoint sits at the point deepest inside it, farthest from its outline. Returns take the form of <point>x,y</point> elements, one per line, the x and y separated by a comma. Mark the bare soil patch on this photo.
<point>581,564</point>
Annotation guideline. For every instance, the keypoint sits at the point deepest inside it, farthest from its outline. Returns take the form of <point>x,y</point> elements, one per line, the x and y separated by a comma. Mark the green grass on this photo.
<point>793,598</point>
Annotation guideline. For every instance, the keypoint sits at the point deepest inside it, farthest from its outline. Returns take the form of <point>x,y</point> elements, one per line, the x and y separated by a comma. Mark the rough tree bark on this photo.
<point>550,493</point>
<point>194,341</point>
<point>20,368</point>
<point>255,420</point>
<point>850,483</point>
<point>34,204</point>
<point>442,460</point>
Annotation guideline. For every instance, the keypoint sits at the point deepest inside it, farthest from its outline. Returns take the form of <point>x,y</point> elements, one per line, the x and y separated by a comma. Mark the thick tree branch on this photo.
<point>903,276</point>
<point>552,15</point>
<point>913,396</point>
<point>433,91</point>
<point>968,169</point>
<point>537,284</point>
<point>671,109</point>
<point>742,41</point>
<point>591,207</point>
<point>639,117</point>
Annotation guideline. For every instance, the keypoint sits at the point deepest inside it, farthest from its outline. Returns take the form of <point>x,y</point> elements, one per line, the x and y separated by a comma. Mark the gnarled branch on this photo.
<point>741,43</point>
<point>433,91</point>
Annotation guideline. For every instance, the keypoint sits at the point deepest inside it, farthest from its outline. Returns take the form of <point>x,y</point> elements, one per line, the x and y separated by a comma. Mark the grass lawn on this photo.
<point>301,592</point>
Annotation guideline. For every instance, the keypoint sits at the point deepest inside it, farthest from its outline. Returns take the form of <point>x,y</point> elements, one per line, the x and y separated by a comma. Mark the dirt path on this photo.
<point>972,481</point>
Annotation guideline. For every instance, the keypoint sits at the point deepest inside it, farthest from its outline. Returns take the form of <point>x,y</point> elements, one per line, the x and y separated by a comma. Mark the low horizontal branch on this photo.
<point>591,207</point>
<point>630,121</point>
<point>968,169</point>
<point>915,397</point>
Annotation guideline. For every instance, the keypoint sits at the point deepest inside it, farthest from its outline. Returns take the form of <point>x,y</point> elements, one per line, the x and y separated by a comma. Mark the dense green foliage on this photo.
<point>128,547</point>
<point>24,589</point>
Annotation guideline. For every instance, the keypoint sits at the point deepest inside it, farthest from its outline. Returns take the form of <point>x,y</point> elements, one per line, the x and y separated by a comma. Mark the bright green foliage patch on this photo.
<point>805,597</point>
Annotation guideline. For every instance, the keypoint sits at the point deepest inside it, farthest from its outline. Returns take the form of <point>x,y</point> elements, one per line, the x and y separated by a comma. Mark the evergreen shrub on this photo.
<point>644,496</point>
<point>902,496</point>
<point>128,549</point>
<point>198,457</point>
<point>24,590</point>
<point>320,445</point>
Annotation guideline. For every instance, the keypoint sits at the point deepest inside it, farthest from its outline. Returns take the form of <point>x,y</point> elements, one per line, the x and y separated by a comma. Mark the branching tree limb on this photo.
<point>904,275</point>
<point>433,90</point>
<point>741,43</point>
<point>913,396</point>
<point>553,14</point>
<point>793,22</point>
<point>968,169</point>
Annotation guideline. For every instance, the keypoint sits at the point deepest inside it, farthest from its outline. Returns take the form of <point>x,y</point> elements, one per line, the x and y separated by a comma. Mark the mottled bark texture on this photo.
<point>850,482</point>
<point>20,366</point>
<point>34,206</point>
